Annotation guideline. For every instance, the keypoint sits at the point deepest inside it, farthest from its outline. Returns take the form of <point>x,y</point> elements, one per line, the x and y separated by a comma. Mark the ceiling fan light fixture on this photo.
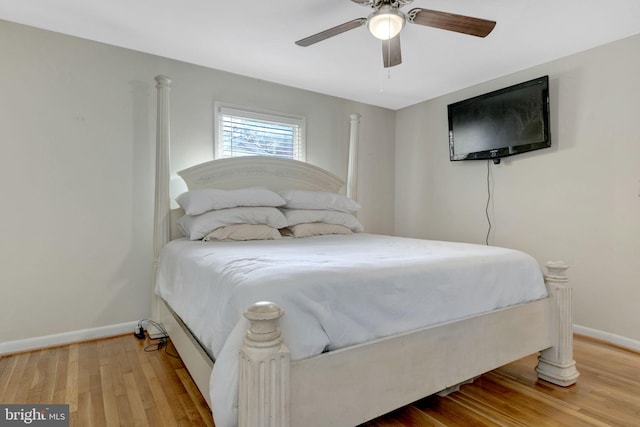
<point>386,22</point>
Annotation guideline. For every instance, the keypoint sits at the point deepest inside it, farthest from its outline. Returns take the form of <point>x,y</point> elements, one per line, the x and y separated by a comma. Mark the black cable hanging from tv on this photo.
<point>486,208</point>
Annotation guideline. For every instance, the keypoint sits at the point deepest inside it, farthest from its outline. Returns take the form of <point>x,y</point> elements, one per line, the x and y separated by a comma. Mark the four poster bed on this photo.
<point>286,378</point>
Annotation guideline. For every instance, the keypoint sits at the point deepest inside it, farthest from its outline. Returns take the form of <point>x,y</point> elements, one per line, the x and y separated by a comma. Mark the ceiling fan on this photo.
<point>387,20</point>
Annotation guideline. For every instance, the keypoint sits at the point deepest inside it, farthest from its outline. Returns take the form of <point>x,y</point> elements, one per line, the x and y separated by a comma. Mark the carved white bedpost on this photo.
<point>161,217</point>
<point>352,166</point>
<point>556,364</point>
<point>263,393</point>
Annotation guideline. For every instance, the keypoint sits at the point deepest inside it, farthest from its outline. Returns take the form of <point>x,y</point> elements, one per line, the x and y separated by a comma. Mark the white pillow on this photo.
<point>195,227</point>
<point>196,202</point>
<point>301,199</point>
<point>244,232</point>
<point>317,229</point>
<point>299,216</point>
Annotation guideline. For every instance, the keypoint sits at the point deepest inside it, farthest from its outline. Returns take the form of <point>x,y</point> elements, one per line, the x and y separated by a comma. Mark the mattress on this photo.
<point>336,291</point>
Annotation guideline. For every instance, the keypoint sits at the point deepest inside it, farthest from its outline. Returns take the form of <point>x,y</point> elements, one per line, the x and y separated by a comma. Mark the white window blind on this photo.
<point>250,133</point>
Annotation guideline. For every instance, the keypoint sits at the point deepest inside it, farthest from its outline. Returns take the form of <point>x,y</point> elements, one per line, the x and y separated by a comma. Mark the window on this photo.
<point>250,133</point>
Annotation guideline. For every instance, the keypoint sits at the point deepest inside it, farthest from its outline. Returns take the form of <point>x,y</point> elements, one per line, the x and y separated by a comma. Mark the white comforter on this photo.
<point>335,290</point>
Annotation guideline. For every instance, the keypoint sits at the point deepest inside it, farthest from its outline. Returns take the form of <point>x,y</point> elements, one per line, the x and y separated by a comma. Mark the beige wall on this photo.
<point>578,201</point>
<point>76,170</point>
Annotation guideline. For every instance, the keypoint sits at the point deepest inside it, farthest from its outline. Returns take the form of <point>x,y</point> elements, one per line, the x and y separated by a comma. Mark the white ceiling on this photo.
<point>256,38</point>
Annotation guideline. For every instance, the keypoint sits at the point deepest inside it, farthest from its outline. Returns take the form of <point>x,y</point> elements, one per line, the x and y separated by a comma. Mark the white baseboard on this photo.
<point>122,328</point>
<point>66,338</point>
<point>607,337</point>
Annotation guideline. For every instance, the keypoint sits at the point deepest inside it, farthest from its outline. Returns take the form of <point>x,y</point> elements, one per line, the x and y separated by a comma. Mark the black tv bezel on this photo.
<point>498,153</point>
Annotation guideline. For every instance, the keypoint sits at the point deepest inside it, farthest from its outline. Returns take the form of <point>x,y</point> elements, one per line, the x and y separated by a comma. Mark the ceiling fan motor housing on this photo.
<point>386,22</point>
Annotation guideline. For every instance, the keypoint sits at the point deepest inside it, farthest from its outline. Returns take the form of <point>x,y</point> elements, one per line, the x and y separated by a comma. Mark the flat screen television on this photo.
<point>501,123</point>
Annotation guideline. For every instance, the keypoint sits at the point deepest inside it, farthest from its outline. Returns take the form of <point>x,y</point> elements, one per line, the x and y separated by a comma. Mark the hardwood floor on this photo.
<point>114,382</point>
<point>110,382</point>
<point>607,394</point>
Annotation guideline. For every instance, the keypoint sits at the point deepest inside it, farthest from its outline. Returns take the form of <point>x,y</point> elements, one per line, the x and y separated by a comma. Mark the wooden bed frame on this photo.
<point>355,384</point>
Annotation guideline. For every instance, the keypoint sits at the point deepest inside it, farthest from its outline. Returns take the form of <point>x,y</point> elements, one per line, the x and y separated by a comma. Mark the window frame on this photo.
<point>222,109</point>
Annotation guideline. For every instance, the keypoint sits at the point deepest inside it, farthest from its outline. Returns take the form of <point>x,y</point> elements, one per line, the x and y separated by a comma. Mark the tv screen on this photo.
<point>502,123</point>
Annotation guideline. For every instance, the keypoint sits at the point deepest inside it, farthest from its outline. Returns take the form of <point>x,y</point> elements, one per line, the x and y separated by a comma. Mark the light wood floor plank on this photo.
<point>197,400</point>
<point>162,405</point>
<point>61,377</point>
<point>7,373</point>
<point>135,403</point>
<point>72,379</point>
<point>115,382</point>
<point>19,385</point>
<point>48,368</point>
<point>109,398</point>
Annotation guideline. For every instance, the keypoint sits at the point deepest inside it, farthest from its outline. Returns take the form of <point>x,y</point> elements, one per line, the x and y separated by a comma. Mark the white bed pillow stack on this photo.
<point>207,211</point>
<point>312,213</point>
<point>318,200</point>
<point>196,202</point>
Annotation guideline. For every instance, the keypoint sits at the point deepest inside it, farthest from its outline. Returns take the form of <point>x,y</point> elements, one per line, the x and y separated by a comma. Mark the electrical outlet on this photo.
<point>139,333</point>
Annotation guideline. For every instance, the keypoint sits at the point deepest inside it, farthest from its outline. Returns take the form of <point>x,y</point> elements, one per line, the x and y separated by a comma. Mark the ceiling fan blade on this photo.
<point>391,52</point>
<point>451,22</point>
<point>323,35</point>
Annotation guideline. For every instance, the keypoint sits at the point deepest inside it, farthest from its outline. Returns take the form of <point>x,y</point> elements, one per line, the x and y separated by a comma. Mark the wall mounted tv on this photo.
<point>501,123</point>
